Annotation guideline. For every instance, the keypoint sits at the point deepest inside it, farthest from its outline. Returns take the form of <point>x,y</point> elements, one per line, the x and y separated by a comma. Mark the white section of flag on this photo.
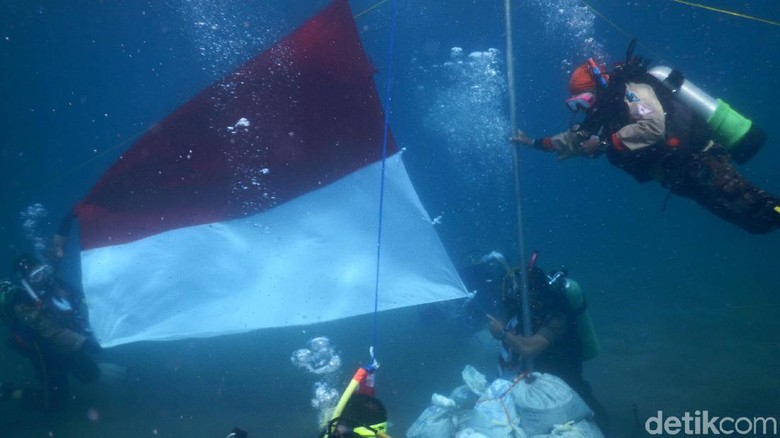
<point>312,259</point>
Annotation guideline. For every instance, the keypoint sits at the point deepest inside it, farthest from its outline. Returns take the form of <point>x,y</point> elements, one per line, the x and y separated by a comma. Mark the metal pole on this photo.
<point>510,71</point>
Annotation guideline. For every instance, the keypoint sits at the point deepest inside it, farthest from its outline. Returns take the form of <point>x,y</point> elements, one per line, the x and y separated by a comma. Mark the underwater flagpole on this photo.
<point>510,73</point>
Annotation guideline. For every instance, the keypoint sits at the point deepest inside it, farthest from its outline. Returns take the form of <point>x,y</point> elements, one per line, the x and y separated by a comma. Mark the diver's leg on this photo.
<point>711,179</point>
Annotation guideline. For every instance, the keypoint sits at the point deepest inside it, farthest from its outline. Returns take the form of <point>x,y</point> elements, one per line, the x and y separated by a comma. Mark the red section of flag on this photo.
<point>298,116</point>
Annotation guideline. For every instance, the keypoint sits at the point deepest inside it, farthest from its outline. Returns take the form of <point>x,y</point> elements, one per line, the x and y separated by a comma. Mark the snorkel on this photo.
<point>30,291</point>
<point>600,76</point>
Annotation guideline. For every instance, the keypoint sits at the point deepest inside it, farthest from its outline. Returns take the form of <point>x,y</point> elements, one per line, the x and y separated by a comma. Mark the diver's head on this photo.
<point>582,80</point>
<point>363,416</point>
<point>583,88</point>
<point>537,279</point>
<point>536,282</point>
<point>32,270</point>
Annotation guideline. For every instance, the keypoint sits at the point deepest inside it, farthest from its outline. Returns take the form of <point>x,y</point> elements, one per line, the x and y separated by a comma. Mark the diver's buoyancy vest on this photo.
<point>685,129</point>
<point>686,132</point>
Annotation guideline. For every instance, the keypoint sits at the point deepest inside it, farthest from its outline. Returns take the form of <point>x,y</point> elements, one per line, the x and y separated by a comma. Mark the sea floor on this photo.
<point>205,387</point>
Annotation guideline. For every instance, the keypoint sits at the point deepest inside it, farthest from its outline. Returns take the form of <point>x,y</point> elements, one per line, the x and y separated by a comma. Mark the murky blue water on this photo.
<point>685,304</point>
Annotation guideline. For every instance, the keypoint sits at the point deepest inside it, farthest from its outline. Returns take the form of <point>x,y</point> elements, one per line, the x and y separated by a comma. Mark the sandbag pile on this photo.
<point>538,406</point>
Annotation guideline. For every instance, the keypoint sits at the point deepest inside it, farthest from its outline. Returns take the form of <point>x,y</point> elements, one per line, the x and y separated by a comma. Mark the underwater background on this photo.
<point>686,305</point>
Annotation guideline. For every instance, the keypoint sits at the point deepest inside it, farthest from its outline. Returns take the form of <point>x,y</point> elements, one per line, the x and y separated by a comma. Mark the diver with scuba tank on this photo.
<point>48,325</point>
<point>656,125</point>
<point>561,332</point>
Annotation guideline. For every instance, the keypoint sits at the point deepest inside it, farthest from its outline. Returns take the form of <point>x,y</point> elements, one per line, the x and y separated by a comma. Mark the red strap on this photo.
<point>367,385</point>
<point>617,144</point>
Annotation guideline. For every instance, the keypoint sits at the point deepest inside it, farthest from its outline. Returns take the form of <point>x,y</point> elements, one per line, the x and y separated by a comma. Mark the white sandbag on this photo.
<point>475,380</point>
<point>464,397</point>
<point>545,401</point>
<point>434,422</point>
<point>470,433</point>
<point>494,414</point>
<point>545,407</point>
<point>582,429</point>
<point>445,415</point>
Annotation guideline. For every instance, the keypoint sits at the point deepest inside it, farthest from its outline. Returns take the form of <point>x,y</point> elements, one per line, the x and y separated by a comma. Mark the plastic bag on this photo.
<point>582,429</point>
<point>464,397</point>
<point>494,414</point>
<point>475,380</point>
<point>545,401</point>
<point>434,422</point>
<point>542,407</point>
<point>470,433</point>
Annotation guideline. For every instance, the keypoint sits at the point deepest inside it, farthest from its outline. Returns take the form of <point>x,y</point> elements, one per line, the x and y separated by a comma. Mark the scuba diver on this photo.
<point>363,416</point>
<point>358,412</point>
<point>561,335</point>
<point>656,125</point>
<point>47,325</point>
<point>482,277</point>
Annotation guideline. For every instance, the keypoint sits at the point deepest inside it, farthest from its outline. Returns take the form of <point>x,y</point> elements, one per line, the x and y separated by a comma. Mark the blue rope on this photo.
<point>385,138</point>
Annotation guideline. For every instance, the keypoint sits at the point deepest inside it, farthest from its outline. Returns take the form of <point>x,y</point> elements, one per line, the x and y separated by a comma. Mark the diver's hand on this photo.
<point>58,247</point>
<point>522,138</point>
<point>495,326</point>
<point>91,346</point>
<point>592,147</point>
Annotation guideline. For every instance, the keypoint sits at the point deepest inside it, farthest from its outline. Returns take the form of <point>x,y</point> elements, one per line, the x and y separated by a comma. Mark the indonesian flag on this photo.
<point>256,204</point>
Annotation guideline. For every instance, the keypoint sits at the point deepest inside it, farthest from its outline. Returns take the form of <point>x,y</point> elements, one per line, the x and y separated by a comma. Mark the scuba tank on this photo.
<point>735,132</point>
<point>585,330</point>
<point>578,305</point>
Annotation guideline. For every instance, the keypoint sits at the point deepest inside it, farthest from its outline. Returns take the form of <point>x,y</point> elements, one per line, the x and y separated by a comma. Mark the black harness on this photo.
<point>686,132</point>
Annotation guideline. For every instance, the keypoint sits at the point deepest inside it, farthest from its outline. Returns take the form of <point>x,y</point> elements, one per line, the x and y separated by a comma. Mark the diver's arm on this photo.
<point>528,347</point>
<point>553,329</point>
<point>569,144</point>
<point>566,144</point>
<point>60,238</point>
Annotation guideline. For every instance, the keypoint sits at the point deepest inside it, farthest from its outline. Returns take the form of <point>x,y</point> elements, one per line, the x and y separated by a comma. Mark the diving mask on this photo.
<point>581,102</point>
<point>40,274</point>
